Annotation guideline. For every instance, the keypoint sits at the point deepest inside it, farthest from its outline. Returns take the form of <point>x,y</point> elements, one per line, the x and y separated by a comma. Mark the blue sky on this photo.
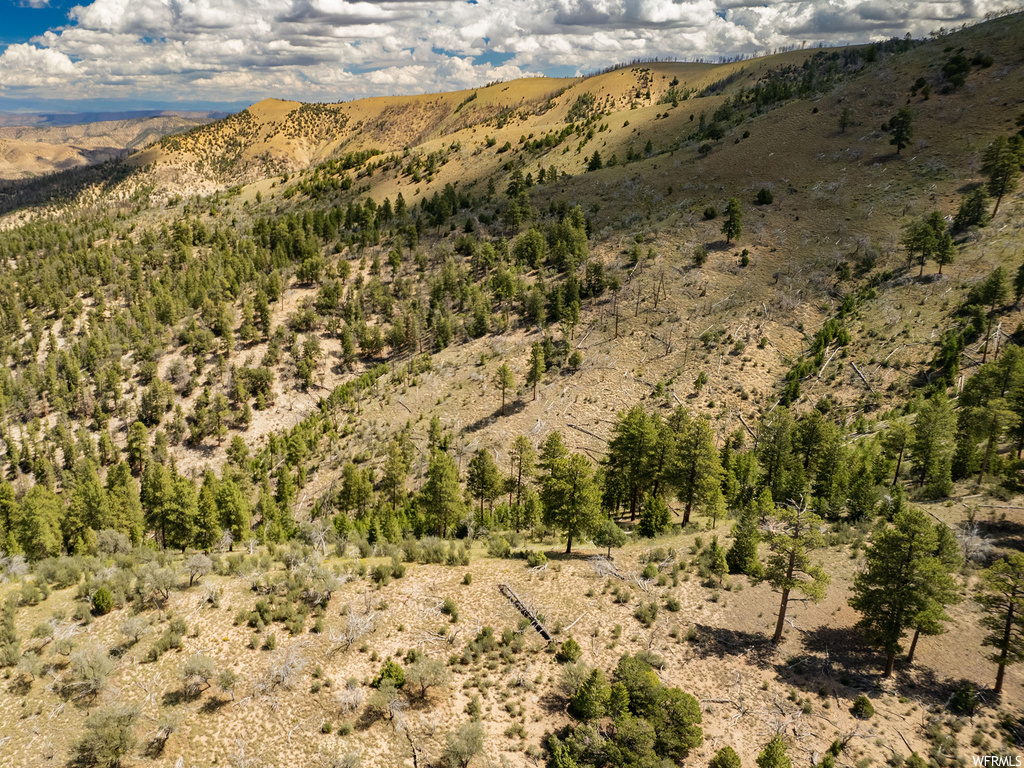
<point>120,54</point>
<point>21,21</point>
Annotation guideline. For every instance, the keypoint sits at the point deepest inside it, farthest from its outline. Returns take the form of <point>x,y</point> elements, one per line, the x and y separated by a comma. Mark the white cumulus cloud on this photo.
<point>243,50</point>
<point>28,65</point>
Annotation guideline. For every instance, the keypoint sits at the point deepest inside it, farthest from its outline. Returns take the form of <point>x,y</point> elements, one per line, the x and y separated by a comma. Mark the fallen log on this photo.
<point>511,596</point>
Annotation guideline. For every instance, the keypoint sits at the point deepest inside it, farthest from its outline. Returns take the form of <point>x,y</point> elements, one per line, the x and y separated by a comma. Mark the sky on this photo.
<point>209,54</point>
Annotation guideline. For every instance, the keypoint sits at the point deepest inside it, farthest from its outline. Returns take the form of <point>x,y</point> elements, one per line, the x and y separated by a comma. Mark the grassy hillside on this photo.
<point>253,373</point>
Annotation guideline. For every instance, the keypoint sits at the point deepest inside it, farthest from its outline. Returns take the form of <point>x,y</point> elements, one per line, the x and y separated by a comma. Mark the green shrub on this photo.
<point>726,757</point>
<point>498,546</point>
<point>765,196</point>
<point>569,651</point>
<point>102,602</point>
<point>774,755</point>
<point>965,701</point>
<point>450,608</point>
<point>862,708</point>
<point>392,671</point>
<point>646,614</point>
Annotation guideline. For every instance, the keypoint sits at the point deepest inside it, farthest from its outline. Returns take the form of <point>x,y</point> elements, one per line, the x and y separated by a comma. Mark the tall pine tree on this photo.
<point>793,531</point>
<point>897,586</point>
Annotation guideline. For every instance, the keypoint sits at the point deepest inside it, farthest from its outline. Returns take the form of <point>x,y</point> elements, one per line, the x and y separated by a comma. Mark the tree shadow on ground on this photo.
<point>213,705</point>
<point>576,554</point>
<point>552,703</point>
<point>180,696</point>
<point>20,685</point>
<point>155,748</point>
<point>719,245</point>
<point>723,643</point>
<point>1005,534</point>
<point>835,658</point>
<point>923,684</point>
<point>839,659</point>
<point>512,407</point>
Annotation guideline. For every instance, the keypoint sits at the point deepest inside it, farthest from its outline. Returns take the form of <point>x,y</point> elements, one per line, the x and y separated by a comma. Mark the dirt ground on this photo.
<point>714,647</point>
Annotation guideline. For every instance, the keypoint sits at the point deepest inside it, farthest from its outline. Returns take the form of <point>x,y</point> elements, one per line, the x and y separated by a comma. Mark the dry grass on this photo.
<point>714,647</point>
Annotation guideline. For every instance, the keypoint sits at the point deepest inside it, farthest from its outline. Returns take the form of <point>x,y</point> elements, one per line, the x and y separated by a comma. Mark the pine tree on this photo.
<point>901,576</point>
<point>87,509</point>
<point>441,497</point>
<point>895,441</point>
<point>774,755</point>
<point>590,701</point>
<point>677,725</point>
<point>552,449</point>
<point>138,446</point>
<point>356,492</point>
<point>276,524</point>
<point>609,535</point>
<point>901,126</point>
<point>1002,599</point>
<point>792,533</point>
<point>8,515</point>
<point>627,466</point>
<point>932,448</point>
<point>233,510</point>
<point>396,470</point>
<point>973,210</point>
<point>1001,163</point>
<point>697,474</point>
<point>943,591</point>
<point>181,514</point>
<point>483,479</point>
<point>157,488</point>
<point>537,367</point>
<point>732,226</point>
<point>718,563</point>
<point>570,497</point>
<point>503,380</point>
<point>655,517</point>
<point>37,523</point>
<point>781,465</point>
<point>125,506</point>
<point>930,240</point>
<point>208,523</point>
<point>742,556</point>
<point>726,757</point>
<point>845,119</point>
<point>522,457</point>
<point>284,489</point>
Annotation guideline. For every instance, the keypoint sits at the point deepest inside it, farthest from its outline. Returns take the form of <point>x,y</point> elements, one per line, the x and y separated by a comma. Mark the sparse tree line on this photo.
<point>823,481</point>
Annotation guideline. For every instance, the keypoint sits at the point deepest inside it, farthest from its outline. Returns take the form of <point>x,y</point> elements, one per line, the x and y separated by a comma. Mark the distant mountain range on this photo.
<point>34,144</point>
<point>80,118</point>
